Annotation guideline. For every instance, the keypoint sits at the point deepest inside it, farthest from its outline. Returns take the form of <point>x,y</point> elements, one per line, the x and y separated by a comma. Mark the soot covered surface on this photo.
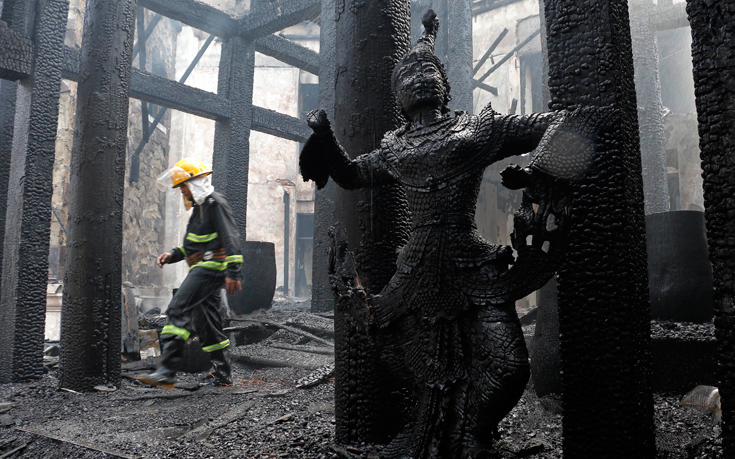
<point>264,415</point>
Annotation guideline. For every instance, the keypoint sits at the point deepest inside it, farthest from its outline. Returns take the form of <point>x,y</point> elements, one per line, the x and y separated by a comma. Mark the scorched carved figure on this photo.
<point>449,307</point>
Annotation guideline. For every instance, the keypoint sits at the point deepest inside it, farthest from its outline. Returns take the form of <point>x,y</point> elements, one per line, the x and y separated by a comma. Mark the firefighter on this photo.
<point>211,248</point>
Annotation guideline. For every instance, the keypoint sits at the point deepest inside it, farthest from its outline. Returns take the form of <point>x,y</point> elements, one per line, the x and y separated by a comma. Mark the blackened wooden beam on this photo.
<point>16,58</point>
<point>322,298</point>
<point>231,156</point>
<point>288,52</point>
<point>168,93</point>
<point>145,34</point>
<point>489,51</point>
<point>604,316</point>
<point>507,56</point>
<point>195,14</point>
<point>279,125</point>
<point>713,57</point>
<point>268,17</point>
<point>91,309</point>
<point>28,217</point>
<point>70,63</point>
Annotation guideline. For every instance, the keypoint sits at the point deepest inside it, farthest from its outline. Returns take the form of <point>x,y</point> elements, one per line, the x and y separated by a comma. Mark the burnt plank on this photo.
<point>269,17</point>
<point>288,52</point>
<point>279,125</point>
<point>196,14</point>
<point>168,93</point>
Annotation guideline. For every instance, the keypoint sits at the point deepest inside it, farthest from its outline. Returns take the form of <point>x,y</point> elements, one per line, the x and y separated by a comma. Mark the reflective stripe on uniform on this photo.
<point>181,247</point>
<point>201,237</point>
<point>234,259</point>
<point>216,347</point>
<point>178,331</point>
<point>215,265</point>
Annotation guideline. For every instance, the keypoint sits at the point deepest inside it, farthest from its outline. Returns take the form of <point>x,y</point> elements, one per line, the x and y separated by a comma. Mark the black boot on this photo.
<point>222,370</point>
<point>165,374</point>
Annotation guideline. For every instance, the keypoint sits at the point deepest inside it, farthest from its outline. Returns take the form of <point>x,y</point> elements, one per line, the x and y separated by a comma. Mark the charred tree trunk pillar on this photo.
<point>713,53</point>
<point>28,213</point>
<point>8,93</point>
<point>650,107</point>
<point>373,37</point>
<point>90,318</point>
<point>231,156</point>
<point>459,53</point>
<point>322,298</point>
<point>604,314</point>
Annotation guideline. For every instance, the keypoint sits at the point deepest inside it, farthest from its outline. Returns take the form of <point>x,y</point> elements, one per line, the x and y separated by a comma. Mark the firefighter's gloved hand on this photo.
<point>163,259</point>
<point>232,286</point>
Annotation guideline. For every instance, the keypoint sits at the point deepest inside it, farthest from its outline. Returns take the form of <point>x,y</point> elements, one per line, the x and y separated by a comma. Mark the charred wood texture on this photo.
<point>322,298</point>
<point>91,312</point>
<point>713,53</point>
<point>267,17</point>
<point>651,109</point>
<point>289,52</point>
<point>231,157</point>
<point>196,14</point>
<point>28,218</point>
<point>603,294</point>
<point>17,56</point>
<point>232,137</point>
<point>372,38</point>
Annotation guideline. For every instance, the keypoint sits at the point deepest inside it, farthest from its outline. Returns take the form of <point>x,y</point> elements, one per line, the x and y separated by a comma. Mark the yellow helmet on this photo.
<point>187,169</point>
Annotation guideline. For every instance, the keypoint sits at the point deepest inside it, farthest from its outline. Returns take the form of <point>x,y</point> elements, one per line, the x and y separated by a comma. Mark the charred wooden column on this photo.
<point>322,298</point>
<point>372,38</point>
<point>459,53</point>
<point>28,217</point>
<point>603,294</point>
<point>650,106</point>
<point>231,156</point>
<point>713,53</point>
<point>90,319</point>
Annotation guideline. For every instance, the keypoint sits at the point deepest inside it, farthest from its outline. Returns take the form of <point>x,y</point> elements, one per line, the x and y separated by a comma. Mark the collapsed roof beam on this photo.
<point>289,53</point>
<point>270,17</point>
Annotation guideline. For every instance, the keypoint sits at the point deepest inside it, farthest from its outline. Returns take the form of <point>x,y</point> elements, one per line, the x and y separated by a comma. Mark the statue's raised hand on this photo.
<point>318,121</point>
<point>311,161</point>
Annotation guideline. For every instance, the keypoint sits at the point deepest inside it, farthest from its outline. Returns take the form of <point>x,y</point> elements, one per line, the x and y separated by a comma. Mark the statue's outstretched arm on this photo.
<point>508,135</point>
<point>323,156</point>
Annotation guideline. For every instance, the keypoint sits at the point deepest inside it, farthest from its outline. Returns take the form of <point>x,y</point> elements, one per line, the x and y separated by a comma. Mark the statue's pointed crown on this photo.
<point>431,26</point>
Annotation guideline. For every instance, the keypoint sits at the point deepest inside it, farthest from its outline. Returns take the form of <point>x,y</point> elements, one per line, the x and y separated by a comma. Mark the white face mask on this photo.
<point>200,188</point>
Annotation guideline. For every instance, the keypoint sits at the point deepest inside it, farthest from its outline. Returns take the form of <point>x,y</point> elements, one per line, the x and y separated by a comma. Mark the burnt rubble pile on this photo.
<point>281,405</point>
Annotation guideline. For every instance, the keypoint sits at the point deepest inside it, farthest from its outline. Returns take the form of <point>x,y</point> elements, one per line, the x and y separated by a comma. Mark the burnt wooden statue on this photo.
<point>446,322</point>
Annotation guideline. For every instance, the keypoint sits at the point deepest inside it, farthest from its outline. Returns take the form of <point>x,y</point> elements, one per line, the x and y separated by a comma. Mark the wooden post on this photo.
<point>91,310</point>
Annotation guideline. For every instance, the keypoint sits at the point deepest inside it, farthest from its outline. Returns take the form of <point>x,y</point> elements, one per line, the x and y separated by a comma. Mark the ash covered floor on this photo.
<point>265,414</point>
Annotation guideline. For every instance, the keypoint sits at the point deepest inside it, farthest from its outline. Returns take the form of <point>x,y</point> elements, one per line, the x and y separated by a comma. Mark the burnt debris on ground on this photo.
<point>280,406</point>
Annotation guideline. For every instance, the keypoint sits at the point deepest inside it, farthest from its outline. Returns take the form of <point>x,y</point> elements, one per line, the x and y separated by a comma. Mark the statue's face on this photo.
<point>419,86</point>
